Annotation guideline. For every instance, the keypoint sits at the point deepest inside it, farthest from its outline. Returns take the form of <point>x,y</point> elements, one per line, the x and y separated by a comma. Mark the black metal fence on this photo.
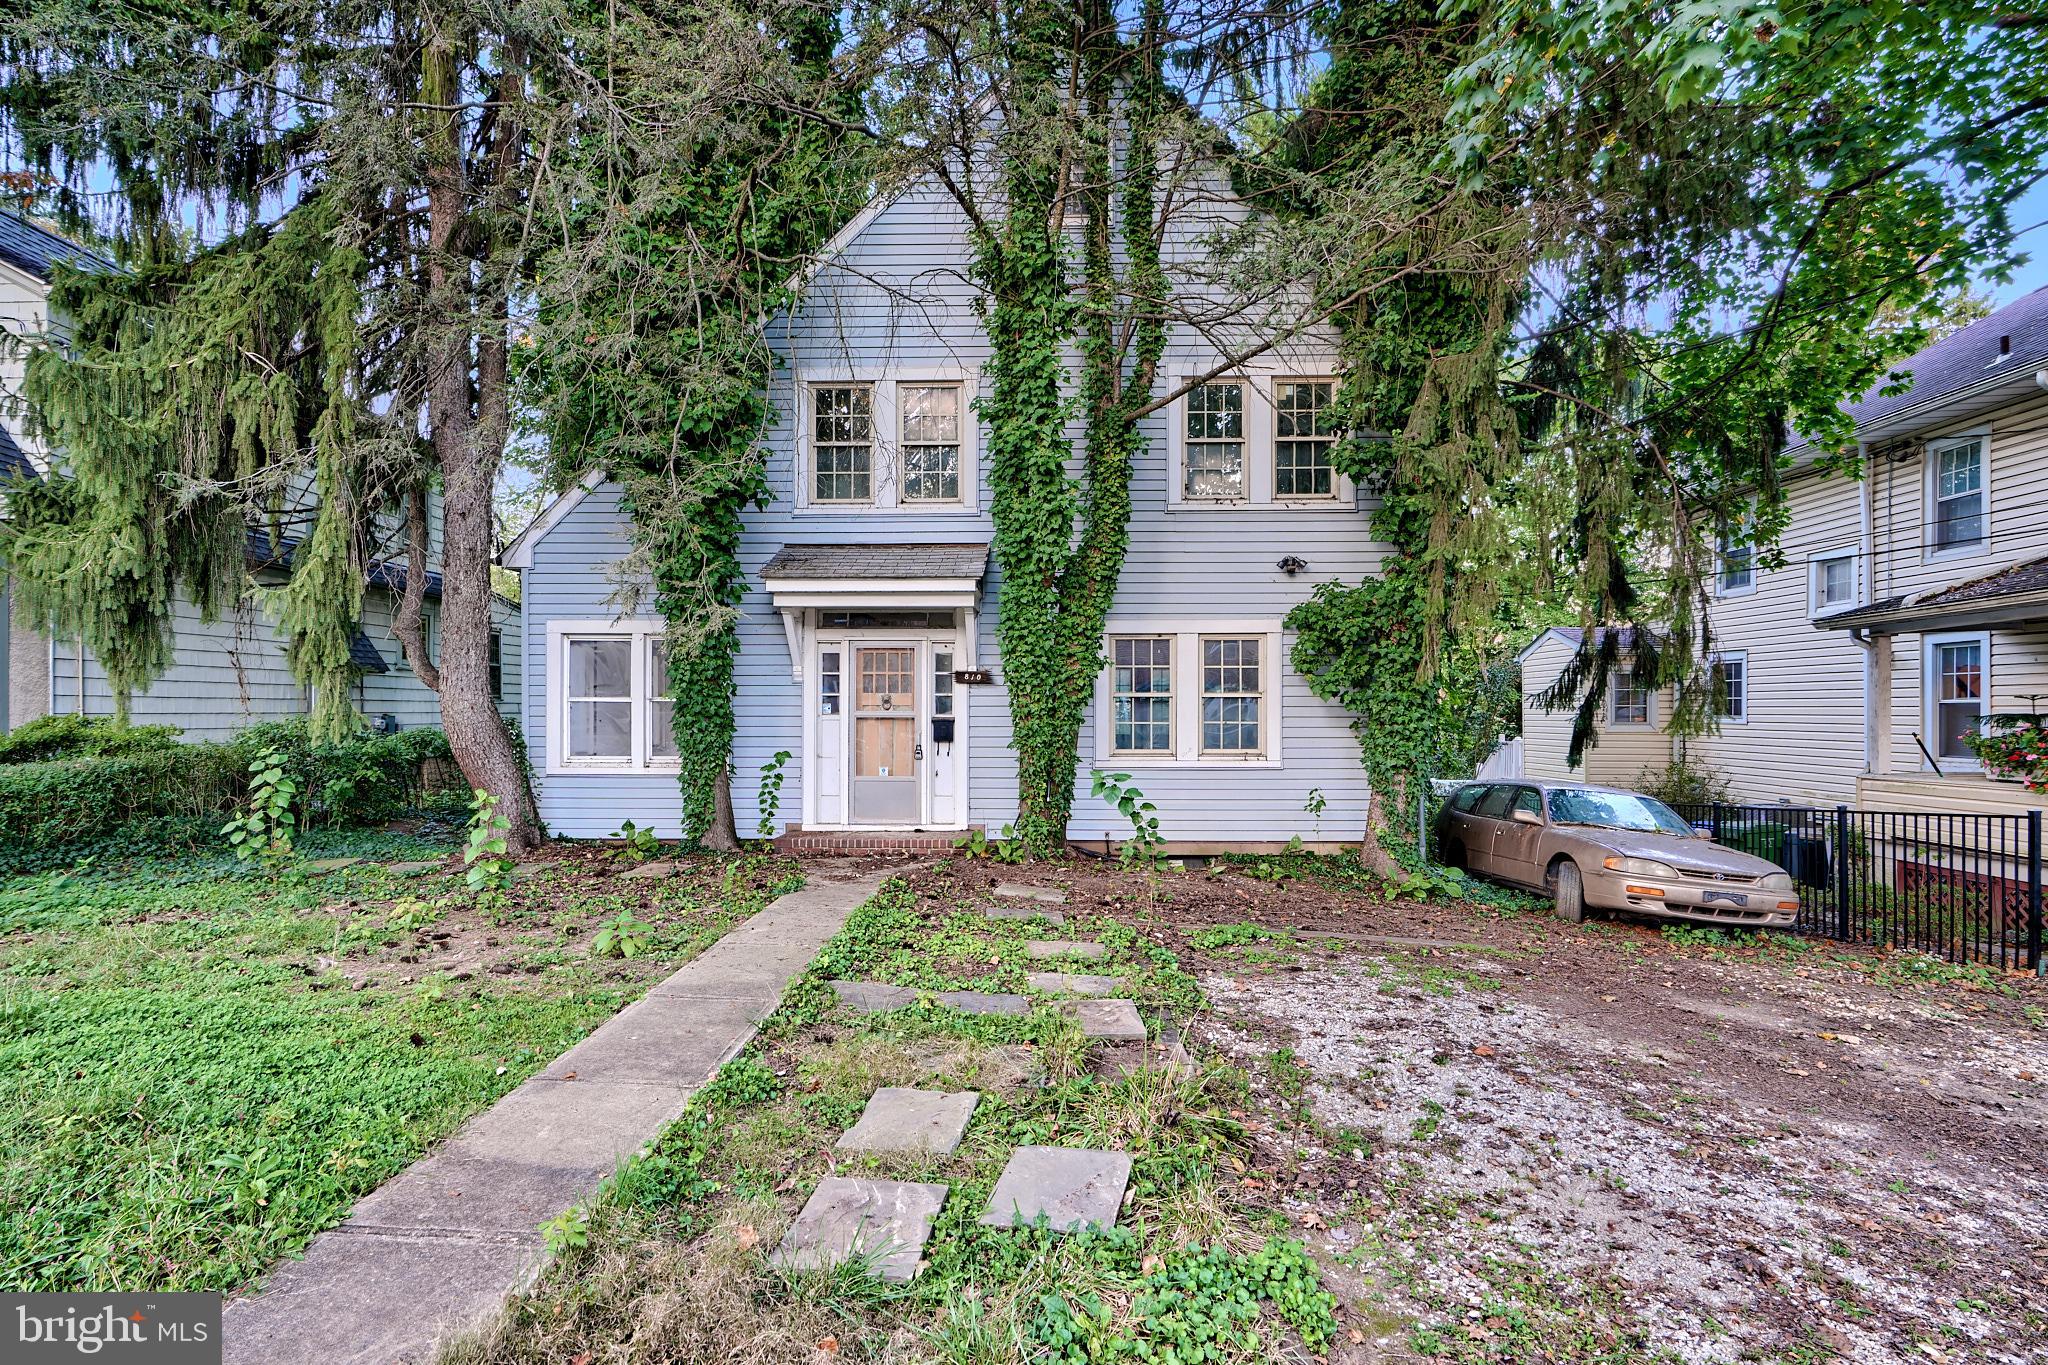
<point>1963,887</point>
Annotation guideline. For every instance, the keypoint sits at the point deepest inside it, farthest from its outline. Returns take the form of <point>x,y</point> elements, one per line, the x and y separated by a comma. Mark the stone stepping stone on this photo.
<point>847,1218</point>
<point>1117,1020</point>
<point>1018,891</point>
<point>414,869</point>
<point>872,996</point>
<point>1071,1186</point>
<point>1061,983</point>
<point>1058,947</point>
<point>660,867</point>
<point>331,864</point>
<point>926,1122</point>
<point>1022,912</point>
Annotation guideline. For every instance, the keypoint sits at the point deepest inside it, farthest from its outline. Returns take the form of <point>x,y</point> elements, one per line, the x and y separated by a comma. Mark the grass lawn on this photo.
<point>201,1067</point>
<point>669,1262</point>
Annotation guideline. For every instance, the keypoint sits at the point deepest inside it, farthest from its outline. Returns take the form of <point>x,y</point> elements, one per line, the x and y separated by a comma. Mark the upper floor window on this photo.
<point>1304,434</point>
<point>1958,502</point>
<point>1629,700</point>
<point>886,444</point>
<point>1833,581</point>
<point>1255,440</point>
<point>930,441</point>
<point>1737,560</point>
<point>1213,464</point>
<point>843,445</point>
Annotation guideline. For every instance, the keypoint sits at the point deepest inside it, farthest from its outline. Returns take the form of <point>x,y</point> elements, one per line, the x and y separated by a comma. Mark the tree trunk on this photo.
<point>723,836</point>
<point>468,402</point>
<point>1372,849</point>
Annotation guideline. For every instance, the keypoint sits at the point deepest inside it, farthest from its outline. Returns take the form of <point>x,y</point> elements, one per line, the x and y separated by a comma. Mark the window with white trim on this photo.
<point>1957,688</point>
<point>610,705</point>
<point>1958,494</point>
<point>1180,692</point>
<point>842,442</point>
<point>661,706</point>
<point>1141,694</point>
<point>1628,700</point>
<point>1304,436</point>
<point>929,416</point>
<point>1731,686</point>
<point>600,698</point>
<point>1832,581</point>
<point>1213,456</point>
<point>1231,694</point>
<point>1736,572</point>
<point>496,667</point>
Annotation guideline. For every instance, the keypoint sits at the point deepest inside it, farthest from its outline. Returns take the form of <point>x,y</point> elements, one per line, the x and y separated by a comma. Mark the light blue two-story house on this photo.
<point>868,636</point>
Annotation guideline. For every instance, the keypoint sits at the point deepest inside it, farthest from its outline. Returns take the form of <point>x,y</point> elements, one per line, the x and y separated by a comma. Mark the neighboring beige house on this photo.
<point>1911,604</point>
<point>226,674</point>
<point>1629,731</point>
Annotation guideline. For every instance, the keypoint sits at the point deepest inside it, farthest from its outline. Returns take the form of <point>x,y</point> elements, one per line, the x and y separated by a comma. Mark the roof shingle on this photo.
<point>878,561</point>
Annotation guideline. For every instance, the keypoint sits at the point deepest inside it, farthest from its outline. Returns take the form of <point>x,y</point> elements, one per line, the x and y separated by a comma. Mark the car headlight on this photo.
<point>1777,881</point>
<point>1640,867</point>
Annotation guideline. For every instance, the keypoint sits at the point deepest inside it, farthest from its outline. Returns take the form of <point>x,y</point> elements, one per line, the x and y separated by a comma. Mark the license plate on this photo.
<point>1732,897</point>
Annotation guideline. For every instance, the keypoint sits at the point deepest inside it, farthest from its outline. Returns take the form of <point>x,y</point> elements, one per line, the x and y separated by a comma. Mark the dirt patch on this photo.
<point>1537,1141</point>
<point>392,929</point>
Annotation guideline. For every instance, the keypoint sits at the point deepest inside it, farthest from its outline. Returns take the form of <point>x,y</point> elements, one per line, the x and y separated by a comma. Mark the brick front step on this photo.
<point>795,840</point>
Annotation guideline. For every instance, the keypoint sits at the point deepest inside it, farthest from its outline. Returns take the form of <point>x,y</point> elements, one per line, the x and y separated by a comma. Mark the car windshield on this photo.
<point>1615,810</point>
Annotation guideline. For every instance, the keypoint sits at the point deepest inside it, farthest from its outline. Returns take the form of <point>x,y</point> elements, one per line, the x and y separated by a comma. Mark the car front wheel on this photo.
<point>1571,893</point>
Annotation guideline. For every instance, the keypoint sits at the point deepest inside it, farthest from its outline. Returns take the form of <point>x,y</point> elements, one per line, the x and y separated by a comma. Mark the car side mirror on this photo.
<point>1526,817</point>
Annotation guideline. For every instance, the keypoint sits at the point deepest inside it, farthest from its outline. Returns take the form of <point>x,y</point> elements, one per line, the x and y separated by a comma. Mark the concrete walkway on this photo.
<point>433,1250</point>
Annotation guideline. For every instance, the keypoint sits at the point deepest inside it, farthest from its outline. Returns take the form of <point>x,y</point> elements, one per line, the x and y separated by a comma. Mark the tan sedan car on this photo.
<point>1606,849</point>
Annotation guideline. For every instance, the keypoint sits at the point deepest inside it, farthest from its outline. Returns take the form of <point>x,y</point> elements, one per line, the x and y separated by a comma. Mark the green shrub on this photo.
<point>365,780</point>
<point>53,737</point>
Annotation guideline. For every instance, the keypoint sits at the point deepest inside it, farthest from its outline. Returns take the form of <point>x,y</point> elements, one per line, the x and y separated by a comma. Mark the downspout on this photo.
<point>1866,583</point>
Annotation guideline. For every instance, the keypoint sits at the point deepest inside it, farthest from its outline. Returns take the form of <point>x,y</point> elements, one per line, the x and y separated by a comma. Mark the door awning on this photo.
<point>873,577</point>
<point>2013,596</point>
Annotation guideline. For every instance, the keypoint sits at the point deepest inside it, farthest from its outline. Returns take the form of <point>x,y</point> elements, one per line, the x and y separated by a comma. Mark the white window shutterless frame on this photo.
<point>607,695</point>
<point>1957,685</point>
<point>1230,446</point>
<point>887,442</point>
<point>1958,496</point>
<point>1221,684</point>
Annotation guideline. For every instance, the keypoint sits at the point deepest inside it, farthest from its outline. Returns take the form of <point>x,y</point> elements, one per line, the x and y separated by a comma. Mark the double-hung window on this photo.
<point>1141,694</point>
<point>1629,700</point>
<point>1304,435</point>
<point>1213,457</point>
<point>843,442</point>
<point>1737,570</point>
<point>1833,581</point>
<point>930,441</point>
<point>600,694</point>
<point>496,672</point>
<point>1231,694</point>
<point>609,696</point>
<point>1957,692</point>
<point>1958,494</point>
<point>1731,687</point>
